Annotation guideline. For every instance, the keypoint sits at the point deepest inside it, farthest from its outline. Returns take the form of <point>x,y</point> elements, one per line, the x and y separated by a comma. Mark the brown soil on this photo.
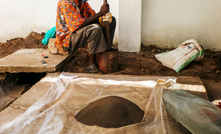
<point>142,63</point>
<point>110,112</point>
<point>33,40</point>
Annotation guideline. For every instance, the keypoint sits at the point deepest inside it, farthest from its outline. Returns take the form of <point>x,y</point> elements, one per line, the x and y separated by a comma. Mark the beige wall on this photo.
<point>19,17</point>
<point>167,23</point>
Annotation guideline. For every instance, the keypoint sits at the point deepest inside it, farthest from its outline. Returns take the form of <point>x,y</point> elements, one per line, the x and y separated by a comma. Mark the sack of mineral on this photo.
<point>180,57</point>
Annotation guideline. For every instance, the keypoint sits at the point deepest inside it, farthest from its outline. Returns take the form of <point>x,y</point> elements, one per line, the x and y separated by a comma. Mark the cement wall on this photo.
<point>20,17</point>
<point>129,25</point>
<point>167,23</point>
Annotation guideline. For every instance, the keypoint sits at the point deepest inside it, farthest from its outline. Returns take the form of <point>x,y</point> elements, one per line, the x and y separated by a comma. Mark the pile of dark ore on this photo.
<point>110,112</point>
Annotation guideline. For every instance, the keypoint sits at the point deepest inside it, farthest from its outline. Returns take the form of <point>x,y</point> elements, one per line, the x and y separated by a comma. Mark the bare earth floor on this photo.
<point>142,63</point>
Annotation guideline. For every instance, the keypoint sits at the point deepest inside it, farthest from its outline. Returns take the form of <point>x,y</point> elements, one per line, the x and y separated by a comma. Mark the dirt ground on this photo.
<point>142,63</point>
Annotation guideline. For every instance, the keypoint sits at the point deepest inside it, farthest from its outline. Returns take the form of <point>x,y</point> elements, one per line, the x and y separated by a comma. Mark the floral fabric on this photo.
<point>70,18</point>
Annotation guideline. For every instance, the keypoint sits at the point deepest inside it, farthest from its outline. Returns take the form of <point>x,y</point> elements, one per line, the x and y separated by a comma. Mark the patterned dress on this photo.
<point>70,18</point>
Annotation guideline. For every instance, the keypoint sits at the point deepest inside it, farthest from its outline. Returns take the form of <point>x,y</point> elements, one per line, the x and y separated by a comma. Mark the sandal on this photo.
<point>92,69</point>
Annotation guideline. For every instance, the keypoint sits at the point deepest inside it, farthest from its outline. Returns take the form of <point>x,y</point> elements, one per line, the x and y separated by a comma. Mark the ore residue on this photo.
<point>110,112</point>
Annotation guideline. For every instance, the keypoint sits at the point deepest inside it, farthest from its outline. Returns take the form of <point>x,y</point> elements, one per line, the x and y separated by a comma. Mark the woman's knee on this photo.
<point>113,20</point>
<point>96,27</point>
<point>94,30</point>
<point>113,23</point>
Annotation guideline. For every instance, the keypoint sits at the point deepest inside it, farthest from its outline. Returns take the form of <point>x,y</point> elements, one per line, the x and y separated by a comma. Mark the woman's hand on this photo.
<point>104,9</point>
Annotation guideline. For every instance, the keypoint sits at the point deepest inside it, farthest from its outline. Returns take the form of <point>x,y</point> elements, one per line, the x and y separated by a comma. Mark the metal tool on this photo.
<point>107,30</point>
<point>44,63</point>
<point>44,56</point>
<point>108,61</point>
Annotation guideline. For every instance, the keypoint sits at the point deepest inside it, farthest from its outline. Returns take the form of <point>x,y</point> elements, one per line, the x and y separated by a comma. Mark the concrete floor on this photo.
<point>29,60</point>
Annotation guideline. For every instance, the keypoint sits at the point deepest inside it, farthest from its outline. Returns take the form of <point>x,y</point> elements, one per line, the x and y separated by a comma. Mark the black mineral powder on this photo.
<point>110,112</point>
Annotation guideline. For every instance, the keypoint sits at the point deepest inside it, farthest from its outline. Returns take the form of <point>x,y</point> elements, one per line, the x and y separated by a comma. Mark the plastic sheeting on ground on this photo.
<point>54,113</point>
<point>198,115</point>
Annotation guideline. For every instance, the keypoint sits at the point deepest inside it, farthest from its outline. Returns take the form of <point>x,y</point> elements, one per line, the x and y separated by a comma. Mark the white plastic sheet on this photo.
<point>54,113</point>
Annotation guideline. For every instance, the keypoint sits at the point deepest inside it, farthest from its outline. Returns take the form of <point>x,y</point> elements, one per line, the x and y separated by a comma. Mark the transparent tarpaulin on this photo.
<point>198,115</point>
<point>54,113</point>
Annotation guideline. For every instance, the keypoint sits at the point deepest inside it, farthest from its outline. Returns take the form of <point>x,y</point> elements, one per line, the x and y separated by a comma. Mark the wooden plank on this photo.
<point>194,85</point>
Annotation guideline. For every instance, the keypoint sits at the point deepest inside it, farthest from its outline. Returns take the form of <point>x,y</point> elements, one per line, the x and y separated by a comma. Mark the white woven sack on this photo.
<point>180,57</point>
